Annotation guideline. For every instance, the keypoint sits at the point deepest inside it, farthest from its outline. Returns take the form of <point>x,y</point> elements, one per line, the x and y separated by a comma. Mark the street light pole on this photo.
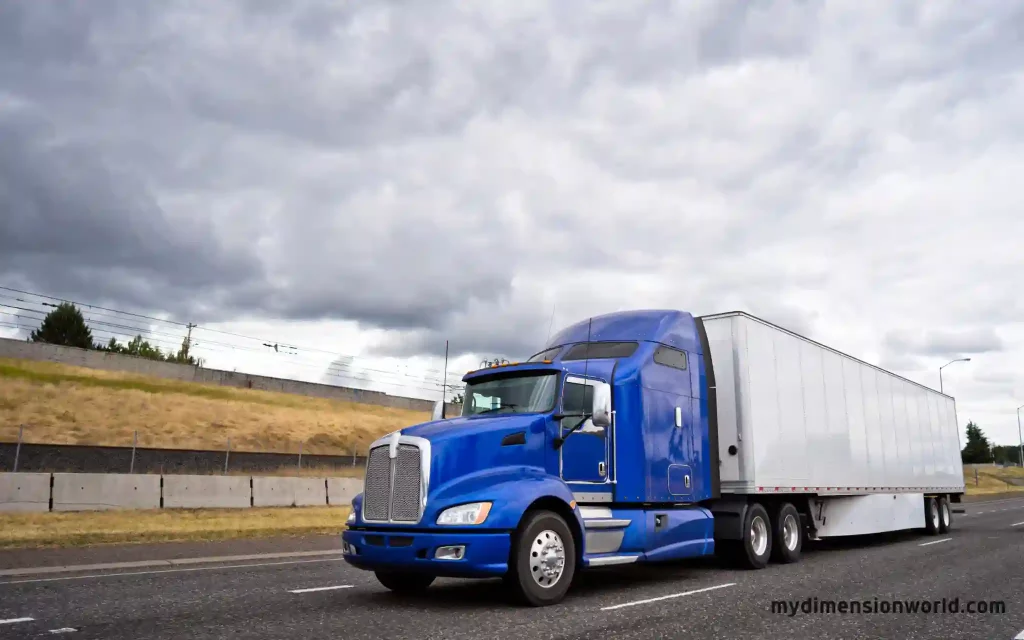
<point>946,365</point>
<point>1019,439</point>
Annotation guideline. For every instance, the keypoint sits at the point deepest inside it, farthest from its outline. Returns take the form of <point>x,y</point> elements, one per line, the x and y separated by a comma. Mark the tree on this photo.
<point>66,326</point>
<point>458,398</point>
<point>1006,454</point>
<point>978,449</point>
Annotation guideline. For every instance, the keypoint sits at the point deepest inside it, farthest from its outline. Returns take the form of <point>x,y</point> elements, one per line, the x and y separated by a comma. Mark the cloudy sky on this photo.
<point>373,178</point>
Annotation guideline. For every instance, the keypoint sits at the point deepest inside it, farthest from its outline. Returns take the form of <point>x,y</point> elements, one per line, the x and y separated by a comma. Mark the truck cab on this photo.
<point>596,451</point>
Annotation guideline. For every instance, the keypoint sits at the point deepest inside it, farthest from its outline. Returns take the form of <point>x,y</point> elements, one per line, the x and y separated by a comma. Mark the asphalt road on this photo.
<point>981,560</point>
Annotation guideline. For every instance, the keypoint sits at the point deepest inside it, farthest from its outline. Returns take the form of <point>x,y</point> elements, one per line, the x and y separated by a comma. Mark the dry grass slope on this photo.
<point>62,404</point>
<point>993,480</point>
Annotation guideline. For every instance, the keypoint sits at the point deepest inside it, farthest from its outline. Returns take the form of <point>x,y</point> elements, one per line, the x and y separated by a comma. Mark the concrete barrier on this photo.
<point>200,492</point>
<point>24,492</point>
<point>98,491</point>
<point>288,492</point>
<point>340,491</point>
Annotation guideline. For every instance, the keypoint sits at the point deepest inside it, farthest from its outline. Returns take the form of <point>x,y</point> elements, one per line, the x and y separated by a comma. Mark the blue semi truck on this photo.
<point>653,435</point>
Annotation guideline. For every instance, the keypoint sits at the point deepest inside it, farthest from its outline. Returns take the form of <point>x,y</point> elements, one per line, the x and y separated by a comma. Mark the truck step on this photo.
<point>601,518</point>
<point>607,561</point>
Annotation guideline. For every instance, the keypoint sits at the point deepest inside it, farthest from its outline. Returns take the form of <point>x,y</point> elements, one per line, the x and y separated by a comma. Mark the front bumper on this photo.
<point>485,554</point>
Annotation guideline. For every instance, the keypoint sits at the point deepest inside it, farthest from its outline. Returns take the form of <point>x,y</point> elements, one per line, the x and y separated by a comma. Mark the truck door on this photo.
<point>585,455</point>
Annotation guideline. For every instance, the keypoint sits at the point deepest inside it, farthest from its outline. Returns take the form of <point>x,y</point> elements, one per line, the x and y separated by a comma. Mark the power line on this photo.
<point>335,369</point>
<point>335,374</point>
<point>184,324</point>
<point>220,331</point>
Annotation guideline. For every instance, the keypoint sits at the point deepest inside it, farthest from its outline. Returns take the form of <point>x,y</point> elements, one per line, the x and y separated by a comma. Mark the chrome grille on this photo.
<point>393,489</point>
<point>377,487</point>
<point>405,497</point>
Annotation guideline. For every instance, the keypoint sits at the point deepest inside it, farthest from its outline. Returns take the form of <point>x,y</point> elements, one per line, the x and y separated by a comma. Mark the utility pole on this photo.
<point>188,341</point>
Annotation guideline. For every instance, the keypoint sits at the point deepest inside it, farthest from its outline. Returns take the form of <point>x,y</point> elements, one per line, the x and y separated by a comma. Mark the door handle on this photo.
<point>600,469</point>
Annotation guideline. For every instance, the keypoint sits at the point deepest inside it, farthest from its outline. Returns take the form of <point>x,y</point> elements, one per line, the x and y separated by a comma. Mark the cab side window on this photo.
<point>670,357</point>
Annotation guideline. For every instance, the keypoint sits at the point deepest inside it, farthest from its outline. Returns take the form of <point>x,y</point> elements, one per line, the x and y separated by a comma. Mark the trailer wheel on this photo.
<point>787,534</point>
<point>404,581</point>
<point>543,560</point>
<point>757,538</point>
<point>931,516</point>
<point>945,515</point>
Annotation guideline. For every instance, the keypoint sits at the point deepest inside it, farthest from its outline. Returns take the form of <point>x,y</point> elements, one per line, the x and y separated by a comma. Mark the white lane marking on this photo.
<point>1019,636</point>
<point>925,544</point>
<point>16,620</point>
<point>312,589</point>
<point>674,595</point>
<point>148,573</point>
<point>64,630</point>
<point>172,562</point>
<point>1017,525</point>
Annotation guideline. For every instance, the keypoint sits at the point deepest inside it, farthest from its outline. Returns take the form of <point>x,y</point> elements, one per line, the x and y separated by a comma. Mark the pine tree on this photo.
<point>978,449</point>
<point>66,326</point>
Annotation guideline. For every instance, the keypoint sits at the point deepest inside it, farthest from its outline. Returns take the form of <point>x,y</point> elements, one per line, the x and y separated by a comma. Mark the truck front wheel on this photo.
<point>404,581</point>
<point>543,559</point>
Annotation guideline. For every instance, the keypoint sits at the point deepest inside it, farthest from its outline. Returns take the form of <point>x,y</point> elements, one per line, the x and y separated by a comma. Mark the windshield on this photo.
<point>526,392</point>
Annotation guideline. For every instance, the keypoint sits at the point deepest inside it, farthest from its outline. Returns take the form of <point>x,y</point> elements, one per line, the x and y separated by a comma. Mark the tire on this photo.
<point>543,559</point>
<point>787,534</point>
<point>756,546</point>
<point>931,516</point>
<point>945,515</point>
<point>405,582</point>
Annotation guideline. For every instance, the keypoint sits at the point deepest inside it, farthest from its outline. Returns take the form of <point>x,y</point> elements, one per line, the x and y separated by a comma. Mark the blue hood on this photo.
<point>464,445</point>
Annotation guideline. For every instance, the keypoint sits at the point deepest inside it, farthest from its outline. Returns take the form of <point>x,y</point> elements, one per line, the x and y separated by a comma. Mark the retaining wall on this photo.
<point>97,491</point>
<point>102,491</point>
<point>199,492</point>
<point>289,492</point>
<point>24,492</point>
<point>133,364</point>
<point>340,491</point>
<point>89,459</point>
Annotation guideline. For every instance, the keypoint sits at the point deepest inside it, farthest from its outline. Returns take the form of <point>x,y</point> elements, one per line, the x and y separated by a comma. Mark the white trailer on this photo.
<point>855,448</point>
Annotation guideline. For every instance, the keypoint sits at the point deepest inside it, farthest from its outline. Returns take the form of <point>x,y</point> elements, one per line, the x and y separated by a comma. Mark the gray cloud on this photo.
<point>946,343</point>
<point>449,171</point>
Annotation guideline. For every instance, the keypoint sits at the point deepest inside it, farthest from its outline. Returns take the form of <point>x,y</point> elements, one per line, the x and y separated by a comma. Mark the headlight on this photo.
<point>351,517</point>
<point>473,513</point>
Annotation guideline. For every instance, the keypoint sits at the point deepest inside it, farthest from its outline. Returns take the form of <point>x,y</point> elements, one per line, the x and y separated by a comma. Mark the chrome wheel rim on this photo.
<point>935,513</point>
<point>759,535</point>
<point>790,532</point>
<point>547,558</point>
<point>945,514</point>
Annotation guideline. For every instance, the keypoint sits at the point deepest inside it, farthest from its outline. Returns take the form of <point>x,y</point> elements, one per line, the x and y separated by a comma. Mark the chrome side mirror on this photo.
<point>438,413</point>
<point>602,408</point>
